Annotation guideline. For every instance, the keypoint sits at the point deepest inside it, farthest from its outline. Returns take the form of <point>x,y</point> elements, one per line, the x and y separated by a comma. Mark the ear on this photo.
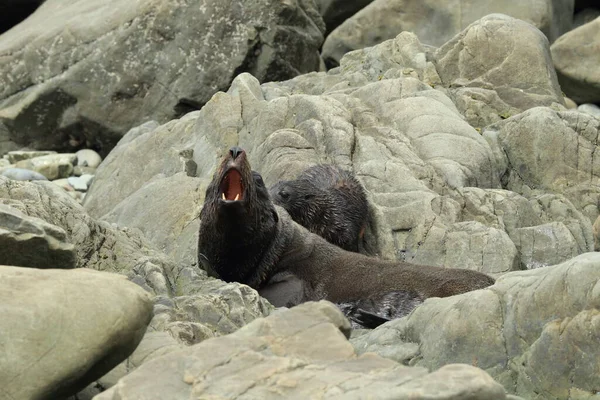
<point>275,215</point>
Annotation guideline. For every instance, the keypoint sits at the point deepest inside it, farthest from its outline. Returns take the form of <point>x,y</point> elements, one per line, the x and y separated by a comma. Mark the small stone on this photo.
<point>4,163</point>
<point>16,156</point>
<point>53,166</point>
<point>570,103</point>
<point>88,158</point>
<point>78,170</point>
<point>21,174</point>
<point>64,183</point>
<point>80,183</point>
<point>590,109</point>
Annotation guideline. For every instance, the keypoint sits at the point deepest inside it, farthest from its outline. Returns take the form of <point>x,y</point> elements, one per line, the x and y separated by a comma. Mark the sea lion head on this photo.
<point>297,197</point>
<point>238,221</point>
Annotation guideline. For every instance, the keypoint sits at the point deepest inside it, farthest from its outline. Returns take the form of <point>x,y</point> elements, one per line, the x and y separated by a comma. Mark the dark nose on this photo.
<point>235,151</point>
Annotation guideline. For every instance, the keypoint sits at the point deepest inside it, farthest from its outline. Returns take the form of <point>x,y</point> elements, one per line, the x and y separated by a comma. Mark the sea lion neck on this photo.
<point>238,221</point>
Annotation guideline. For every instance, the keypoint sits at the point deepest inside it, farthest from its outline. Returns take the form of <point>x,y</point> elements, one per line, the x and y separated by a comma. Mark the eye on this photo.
<point>284,195</point>
<point>309,196</point>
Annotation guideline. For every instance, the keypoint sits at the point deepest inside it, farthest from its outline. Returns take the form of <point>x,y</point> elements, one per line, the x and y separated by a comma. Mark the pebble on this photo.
<point>570,104</point>
<point>589,108</point>
<point>64,183</point>
<point>88,158</point>
<point>21,174</point>
<point>81,183</point>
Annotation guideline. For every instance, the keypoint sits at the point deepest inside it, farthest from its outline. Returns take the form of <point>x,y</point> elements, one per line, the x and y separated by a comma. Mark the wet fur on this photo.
<point>257,243</point>
<point>328,201</point>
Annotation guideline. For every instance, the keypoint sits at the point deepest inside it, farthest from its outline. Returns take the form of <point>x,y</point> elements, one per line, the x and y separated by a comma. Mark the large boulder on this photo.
<point>63,329</point>
<point>80,74</point>
<point>576,57</point>
<point>334,12</point>
<point>435,22</point>
<point>31,242</point>
<point>278,357</point>
<point>536,332</point>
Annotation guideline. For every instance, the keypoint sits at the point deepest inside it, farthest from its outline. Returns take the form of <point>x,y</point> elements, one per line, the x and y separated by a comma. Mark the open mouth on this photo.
<point>232,187</point>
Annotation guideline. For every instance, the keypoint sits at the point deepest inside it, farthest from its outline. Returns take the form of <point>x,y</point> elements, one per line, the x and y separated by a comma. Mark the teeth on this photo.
<point>223,195</point>
<point>237,196</point>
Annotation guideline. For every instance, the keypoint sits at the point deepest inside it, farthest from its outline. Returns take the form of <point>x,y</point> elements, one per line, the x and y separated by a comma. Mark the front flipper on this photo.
<point>374,311</point>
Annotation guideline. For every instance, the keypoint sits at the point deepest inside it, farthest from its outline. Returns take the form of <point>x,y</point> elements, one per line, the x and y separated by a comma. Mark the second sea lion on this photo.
<point>245,238</point>
<point>326,200</point>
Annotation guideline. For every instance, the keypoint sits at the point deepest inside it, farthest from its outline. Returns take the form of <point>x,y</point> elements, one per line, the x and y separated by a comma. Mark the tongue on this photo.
<point>233,189</point>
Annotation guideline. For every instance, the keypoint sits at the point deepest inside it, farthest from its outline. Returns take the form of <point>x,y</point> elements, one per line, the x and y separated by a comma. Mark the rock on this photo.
<point>596,228</point>
<point>16,156</point>
<point>384,19</point>
<point>590,109</point>
<point>486,64</point>
<point>570,104</point>
<point>61,330</point>
<point>278,357</point>
<point>533,331</point>
<point>21,174</point>
<point>166,211</point>
<point>576,56</point>
<point>88,158</point>
<point>92,73</point>
<point>53,166</point>
<point>552,242</point>
<point>81,183</point>
<point>31,242</point>
<point>6,142</point>
<point>546,150</point>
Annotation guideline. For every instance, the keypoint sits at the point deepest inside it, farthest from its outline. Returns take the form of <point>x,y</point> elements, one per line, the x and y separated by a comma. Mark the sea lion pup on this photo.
<point>245,238</point>
<point>326,200</point>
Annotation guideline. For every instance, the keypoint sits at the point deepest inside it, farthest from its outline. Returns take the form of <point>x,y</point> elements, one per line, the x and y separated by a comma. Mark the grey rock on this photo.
<point>16,156</point>
<point>21,174</point>
<point>6,142</point>
<point>73,75</point>
<point>487,64</point>
<point>278,356</point>
<point>52,166</point>
<point>533,331</point>
<point>88,158</point>
<point>546,150</point>
<point>81,183</point>
<point>591,109</point>
<point>61,330</point>
<point>576,55</point>
<point>64,183</point>
<point>544,245</point>
<point>435,22</point>
<point>31,242</point>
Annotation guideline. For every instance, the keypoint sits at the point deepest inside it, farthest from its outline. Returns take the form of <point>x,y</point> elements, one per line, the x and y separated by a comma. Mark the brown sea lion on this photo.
<point>326,200</point>
<point>245,238</point>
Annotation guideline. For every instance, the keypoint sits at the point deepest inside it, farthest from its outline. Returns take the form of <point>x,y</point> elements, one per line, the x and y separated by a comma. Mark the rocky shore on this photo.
<point>473,133</point>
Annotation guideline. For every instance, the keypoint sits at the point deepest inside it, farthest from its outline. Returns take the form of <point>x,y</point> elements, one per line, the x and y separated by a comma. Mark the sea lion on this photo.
<point>326,200</point>
<point>245,238</point>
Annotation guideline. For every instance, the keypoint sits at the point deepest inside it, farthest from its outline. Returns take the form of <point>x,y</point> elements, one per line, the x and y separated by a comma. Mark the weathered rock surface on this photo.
<point>80,75</point>
<point>543,150</point>
<point>407,143</point>
<point>278,357</point>
<point>31,242</point>
<point>63,329</point>
<point>576,56</point>
<point>536,332</point>
<point>435,22</point>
